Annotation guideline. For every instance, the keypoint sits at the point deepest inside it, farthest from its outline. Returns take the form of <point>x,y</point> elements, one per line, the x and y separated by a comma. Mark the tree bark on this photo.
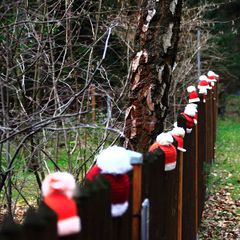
<point>151,70</point>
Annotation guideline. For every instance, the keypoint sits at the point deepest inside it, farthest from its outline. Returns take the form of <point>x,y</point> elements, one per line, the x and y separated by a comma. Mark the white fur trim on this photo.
<point>203,77</point>
<point>170,166</point>
<point>194,100</point>
<point>195,121</point>
<point>118,210</point>
<point>114,160</point>
<point>202,90</point>
<point>211,73</point>
<point>188,130</point>
<point>69,226</point>
<point>175,124</point>
<point>181,149</point>
<point>192,106</point>
<point>164,138</point>
<point>179,131</point>
<point>190,111</point>
<point>61,181</point>
<point>191,89</point>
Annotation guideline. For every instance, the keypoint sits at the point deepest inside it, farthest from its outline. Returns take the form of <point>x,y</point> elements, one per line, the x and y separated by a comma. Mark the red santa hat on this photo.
<point>57,190</point>
<point>212,77</point>
<point>192,107</point>
<point>193,96</point>
<point>164,142</point>
<point>178,134</point>
<point>203,86</point>
<point>114,163</point>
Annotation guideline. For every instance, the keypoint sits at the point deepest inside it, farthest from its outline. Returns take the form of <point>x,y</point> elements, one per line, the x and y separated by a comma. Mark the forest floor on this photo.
<point>221,216</point>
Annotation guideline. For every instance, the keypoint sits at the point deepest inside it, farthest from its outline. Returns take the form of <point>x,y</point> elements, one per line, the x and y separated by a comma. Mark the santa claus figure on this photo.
<point>212,77</point>
<point>57,190</point>
<point>188,118</point>
<point>203,86</point>
<point>178,134</point>
<point>193,95</point>
<point>164,144</point>
<point>114,163</point>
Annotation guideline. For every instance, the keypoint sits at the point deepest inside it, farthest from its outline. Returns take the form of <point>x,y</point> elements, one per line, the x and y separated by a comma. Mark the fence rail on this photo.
<point>175,198</point>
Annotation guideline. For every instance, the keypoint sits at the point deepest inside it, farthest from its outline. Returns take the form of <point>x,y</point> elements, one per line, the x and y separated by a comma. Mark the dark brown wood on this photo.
<point>137,197</point>
<point>50,218</point>
<point>196,181</point>
<point>9,230</point>
<point>180,192</point>
<point>188,212</point>
<point>153,170</point>
<point>201,156</point>
<point>34,226</point>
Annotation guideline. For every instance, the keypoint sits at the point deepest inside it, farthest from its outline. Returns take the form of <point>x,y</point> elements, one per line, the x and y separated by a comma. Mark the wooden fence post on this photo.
<point>50,218</point>
<point>189,192</point>
<point>153,170</point>
<point>10,230</point>
<point>201,156</point>
<point>34,227</point>
<point>180,191</point>
<point>136,161</point>
<point>196,181</point>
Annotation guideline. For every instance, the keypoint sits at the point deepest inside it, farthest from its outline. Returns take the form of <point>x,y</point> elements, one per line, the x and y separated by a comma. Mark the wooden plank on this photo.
<point>137,196</point>
<point>188,212</point>
<point>180,191</point>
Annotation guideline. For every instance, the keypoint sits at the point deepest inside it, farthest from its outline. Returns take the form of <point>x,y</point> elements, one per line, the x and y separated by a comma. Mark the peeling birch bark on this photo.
<point>150,81</point>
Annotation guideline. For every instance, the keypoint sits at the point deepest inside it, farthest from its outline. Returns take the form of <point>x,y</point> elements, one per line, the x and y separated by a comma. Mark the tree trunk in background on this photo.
<point>150,80</point>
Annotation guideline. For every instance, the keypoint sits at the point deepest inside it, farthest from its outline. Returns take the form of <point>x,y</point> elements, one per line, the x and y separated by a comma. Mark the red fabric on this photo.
<point>211,77</point>
<point>95,170</point>
<point>179,140</point>
<point>189,120</point>
<point>170,152</point>
<point>203,83</point>
<point>193,95</point>
<point>120,184</point>
<point>120,187</point>
<point>62,205</point>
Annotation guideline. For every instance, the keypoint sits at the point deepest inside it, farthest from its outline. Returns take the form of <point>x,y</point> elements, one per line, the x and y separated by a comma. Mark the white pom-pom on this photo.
<point>192,106</point>
<point>203,77</point>
<point>191,89</point>
<point>211,73</point>
<point>164,138</point>
<point>59,181</point>
<point>114,160</point>
<point>178,131</point>
<point>190,111</point>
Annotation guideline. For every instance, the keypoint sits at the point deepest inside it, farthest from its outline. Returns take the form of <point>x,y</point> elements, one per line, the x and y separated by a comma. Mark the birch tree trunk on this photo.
<point>156,42</point>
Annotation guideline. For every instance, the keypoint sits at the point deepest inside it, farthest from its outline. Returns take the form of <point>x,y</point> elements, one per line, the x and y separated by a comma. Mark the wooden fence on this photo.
<point>176,198</point>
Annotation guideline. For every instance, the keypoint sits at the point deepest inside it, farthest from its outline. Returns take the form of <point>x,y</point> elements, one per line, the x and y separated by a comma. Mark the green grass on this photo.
<point>225,172</point>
